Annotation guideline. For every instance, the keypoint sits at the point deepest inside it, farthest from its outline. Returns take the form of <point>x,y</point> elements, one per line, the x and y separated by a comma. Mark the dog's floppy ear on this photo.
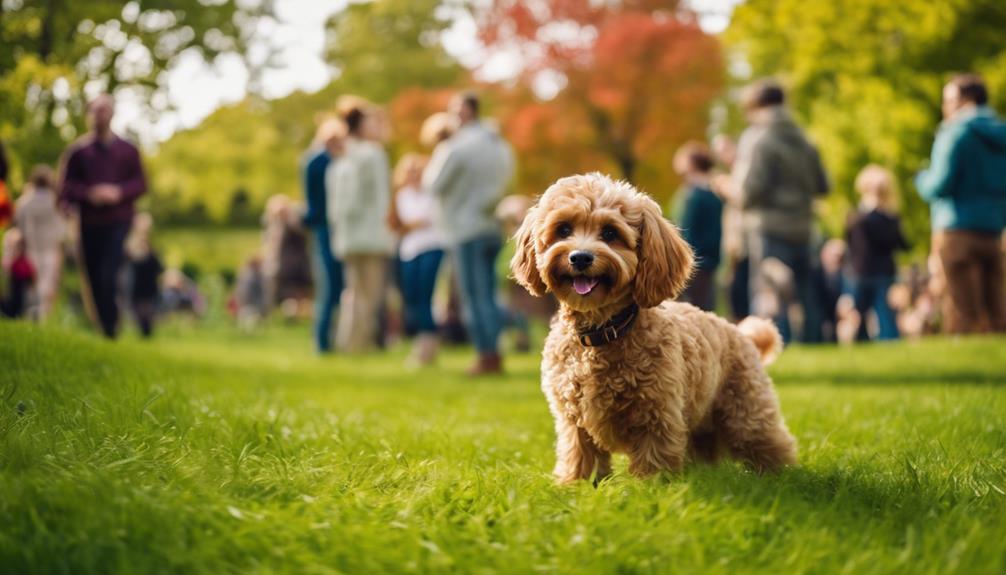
<point>665,259</point>
<point>524,265</point>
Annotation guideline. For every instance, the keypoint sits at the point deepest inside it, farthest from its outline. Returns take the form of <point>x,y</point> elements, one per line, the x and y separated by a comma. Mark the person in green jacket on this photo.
<point>965,187</point>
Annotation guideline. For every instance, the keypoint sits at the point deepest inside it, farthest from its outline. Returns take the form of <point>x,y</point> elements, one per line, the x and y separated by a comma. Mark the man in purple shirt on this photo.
<point>102,178</point>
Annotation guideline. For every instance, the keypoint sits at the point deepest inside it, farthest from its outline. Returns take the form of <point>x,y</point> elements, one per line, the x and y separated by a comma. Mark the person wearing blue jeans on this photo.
<point>419,251</point>
<point>871,292</point>
<point>475,261</point>
<point>873,235</point>
<point>328,288</point>
<point>328,282</point>
<point>797,257</point>
<point>468,174</point>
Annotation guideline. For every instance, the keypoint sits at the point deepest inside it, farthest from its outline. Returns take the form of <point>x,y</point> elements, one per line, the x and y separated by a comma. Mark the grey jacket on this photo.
<point>780,175</point>
<point>468,174</point>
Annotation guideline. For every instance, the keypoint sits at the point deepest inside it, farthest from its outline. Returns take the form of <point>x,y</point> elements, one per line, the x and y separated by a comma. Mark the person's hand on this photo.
<point>723,185</point>
<point>105,194</point>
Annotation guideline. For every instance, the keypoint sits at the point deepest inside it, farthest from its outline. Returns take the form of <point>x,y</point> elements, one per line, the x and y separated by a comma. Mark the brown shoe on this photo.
<point>487,364</point>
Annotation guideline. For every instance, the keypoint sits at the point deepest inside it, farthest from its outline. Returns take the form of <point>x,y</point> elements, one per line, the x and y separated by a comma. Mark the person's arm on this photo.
<point>135,184</point>
<point>757,181</point>
<point>689,218</point>
<point>72,188</point>
<point>440,173</point>
<point>937,181</point>
<point>313,180</point>
<point>333,201</point>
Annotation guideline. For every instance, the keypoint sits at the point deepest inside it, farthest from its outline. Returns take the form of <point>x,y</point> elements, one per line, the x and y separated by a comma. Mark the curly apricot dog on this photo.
<point>623,369</point>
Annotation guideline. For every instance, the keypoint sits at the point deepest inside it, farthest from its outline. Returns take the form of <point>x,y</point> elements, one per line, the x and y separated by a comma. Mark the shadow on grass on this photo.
<point>962,377</point>
<point>838,498</point>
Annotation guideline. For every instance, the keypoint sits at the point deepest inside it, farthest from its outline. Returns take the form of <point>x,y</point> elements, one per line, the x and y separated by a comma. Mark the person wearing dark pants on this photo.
<point>103,251</point>
<point>779,175</point>
<point>797,258</point>
<point>102,176</point>
<point>145,270</point>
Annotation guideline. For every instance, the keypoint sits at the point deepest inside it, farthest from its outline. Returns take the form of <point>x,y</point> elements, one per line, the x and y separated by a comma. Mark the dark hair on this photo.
<point>471,100</point>
<point>971,88</point>
<point>699,157</point>
<point>763,94</point>
<point>354,119</point>
<point>42,177</point>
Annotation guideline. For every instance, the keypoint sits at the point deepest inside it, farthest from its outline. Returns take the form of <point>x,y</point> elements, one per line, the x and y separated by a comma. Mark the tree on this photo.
<point>385,51</point>
<point>866,83</point>
<point>634,80</point>
<point>54,52</point>
<point>380,48</point>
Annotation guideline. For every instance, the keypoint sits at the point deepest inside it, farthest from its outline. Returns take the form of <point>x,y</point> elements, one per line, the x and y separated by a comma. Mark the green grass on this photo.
<point>217,452</point>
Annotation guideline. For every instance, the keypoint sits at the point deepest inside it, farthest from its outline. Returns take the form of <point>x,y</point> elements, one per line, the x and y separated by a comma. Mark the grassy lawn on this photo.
<point>211,451</point>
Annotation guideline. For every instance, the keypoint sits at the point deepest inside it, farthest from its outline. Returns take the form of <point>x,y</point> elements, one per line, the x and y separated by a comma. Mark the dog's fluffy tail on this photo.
<point>764,335</point>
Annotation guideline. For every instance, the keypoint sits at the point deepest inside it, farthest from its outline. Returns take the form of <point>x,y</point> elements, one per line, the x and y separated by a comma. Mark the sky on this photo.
<point>197,88</point>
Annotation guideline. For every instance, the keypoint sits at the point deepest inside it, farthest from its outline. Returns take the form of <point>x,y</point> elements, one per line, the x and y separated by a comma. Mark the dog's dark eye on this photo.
<point>609,234</point>
<point>564,230</point>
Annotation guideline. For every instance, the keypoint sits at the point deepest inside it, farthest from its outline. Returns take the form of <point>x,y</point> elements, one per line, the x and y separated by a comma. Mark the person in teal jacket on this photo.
<point>965,187</point>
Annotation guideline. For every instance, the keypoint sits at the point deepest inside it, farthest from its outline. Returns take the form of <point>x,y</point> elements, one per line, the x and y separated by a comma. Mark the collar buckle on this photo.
<point>610,333</point>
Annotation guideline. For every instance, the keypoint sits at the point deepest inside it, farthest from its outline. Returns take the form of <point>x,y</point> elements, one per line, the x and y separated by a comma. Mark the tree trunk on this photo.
<point>45,37</point>
<point>627,165</point>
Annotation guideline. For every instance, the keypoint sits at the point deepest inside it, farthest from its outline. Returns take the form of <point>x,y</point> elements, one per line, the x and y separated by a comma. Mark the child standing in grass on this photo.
<point>145,270</point>
<point>701,221</point>
<point>873,235</point>
<point>20,274</point>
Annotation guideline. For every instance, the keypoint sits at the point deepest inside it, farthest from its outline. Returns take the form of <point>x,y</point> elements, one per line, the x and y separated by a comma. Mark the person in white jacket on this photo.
<point>468,174</point>
<point>359,198</point>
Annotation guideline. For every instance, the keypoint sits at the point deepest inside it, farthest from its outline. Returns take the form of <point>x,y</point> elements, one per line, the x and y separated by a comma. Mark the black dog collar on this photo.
<point>614,328</point>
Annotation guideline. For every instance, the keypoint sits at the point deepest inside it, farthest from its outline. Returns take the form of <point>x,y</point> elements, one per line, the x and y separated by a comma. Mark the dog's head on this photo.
<point>595,242</point>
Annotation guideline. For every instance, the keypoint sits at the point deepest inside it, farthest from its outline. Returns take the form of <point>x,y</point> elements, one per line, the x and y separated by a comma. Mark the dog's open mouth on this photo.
<point>583,285</point>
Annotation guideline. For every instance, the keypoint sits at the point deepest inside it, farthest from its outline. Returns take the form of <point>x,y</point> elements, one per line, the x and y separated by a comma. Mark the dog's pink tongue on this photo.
<point>584,285</point>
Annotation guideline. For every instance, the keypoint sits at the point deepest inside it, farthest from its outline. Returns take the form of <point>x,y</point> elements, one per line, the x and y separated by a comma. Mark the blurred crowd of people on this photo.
<point>753,202</point>
<point>86,215</point>
<point>364,253</point>
<point>378,232</point>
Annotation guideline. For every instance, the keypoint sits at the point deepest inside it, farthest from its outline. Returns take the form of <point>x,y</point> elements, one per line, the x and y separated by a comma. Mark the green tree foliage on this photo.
<point>378,50</point>
<point>54,52</point>
<point>866,77</point>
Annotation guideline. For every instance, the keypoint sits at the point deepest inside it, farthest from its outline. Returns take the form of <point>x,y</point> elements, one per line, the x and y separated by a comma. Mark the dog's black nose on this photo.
<point>581,260</point>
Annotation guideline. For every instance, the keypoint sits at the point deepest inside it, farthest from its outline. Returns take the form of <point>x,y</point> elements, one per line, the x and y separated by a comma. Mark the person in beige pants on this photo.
<point>359,199</point>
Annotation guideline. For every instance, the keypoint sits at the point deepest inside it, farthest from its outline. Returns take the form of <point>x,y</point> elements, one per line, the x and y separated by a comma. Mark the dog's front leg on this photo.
<point>577,455</point>
<point>662,448</point>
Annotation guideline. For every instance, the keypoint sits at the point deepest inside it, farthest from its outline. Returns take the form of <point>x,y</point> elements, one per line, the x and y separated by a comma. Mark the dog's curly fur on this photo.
<point>681,382</point>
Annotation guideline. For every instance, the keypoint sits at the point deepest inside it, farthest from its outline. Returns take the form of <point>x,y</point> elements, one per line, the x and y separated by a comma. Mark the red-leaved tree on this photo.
<point>635,80</point>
